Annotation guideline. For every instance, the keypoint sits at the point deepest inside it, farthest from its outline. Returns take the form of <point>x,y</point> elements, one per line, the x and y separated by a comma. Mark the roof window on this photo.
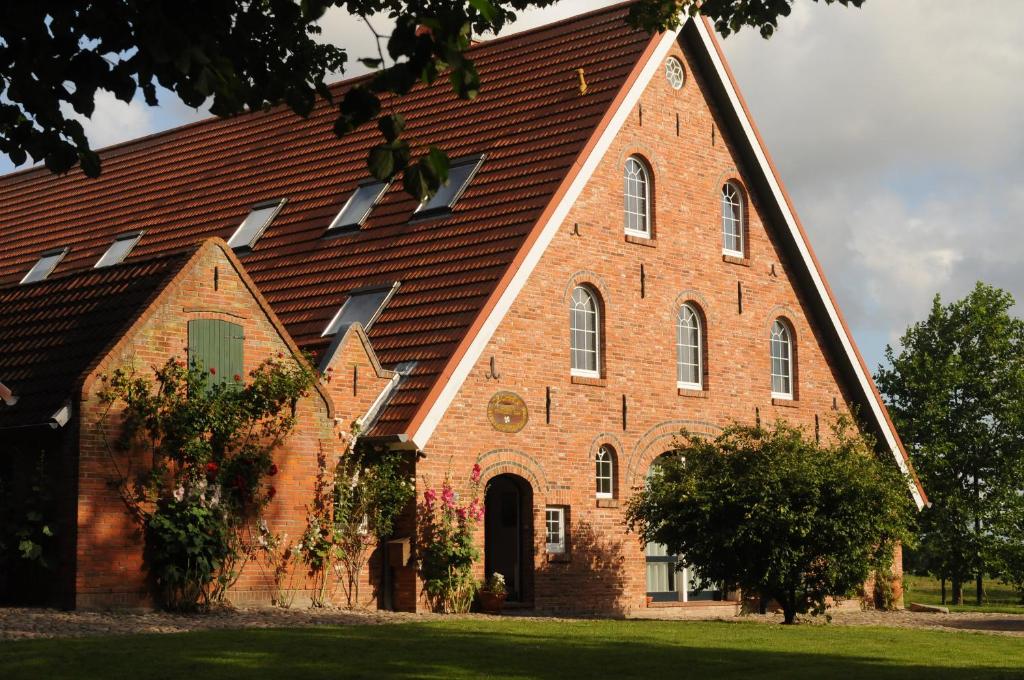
<point>119,249</point>
<point>250,230</point>
<point>358,206</point>
<point>46,264</point>
<point>363,305</point>
<point>460,174</point>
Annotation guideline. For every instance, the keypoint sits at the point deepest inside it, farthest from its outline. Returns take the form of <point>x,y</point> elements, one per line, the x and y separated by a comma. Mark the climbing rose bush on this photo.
<point>200,502</point>
<point>447,525</point>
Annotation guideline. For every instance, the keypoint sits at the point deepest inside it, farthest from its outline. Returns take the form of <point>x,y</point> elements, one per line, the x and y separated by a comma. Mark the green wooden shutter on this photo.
<point>216,344</point>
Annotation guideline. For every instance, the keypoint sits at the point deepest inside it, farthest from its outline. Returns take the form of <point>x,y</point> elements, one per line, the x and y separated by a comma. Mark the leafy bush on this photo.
<point>771,512</point>
<point>211,445</point>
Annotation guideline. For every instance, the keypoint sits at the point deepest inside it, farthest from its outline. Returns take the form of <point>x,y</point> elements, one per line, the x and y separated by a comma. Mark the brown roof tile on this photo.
<point>200,180</point>
<point>51,331</point>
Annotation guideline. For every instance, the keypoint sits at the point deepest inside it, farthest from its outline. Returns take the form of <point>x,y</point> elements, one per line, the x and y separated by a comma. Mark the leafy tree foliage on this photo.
<point>771,512</point>
<point>956,392</point>
<point>246,55</point>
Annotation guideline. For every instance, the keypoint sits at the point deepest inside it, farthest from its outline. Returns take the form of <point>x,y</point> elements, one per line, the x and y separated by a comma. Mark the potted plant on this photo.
<point>492,594</point>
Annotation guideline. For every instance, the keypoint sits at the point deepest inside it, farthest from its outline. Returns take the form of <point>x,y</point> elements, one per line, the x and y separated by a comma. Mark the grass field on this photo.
<point>999,597</point>
<point>510,648</point>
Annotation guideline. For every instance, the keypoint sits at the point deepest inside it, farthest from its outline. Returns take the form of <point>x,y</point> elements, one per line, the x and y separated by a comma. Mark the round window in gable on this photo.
<point>674,72</point>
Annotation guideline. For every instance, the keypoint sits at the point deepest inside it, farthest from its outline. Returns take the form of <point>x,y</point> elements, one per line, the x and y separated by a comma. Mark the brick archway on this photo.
<point>656,441</point>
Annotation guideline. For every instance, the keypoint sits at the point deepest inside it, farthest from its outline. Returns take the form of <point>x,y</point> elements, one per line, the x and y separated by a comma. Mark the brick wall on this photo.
<point>678,136</point>
<point>109,546</point>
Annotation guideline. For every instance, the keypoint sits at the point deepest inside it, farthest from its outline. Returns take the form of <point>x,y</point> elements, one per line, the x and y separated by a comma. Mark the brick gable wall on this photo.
<point>634,406</point>
<point>110,570</point>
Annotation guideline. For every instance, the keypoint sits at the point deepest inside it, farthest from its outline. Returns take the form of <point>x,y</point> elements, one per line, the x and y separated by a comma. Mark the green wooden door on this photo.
<point>216,346</point>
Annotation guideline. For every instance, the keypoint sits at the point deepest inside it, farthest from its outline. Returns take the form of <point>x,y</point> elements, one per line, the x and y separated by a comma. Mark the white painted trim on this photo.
<point>780,198</point>
<point>733,253</point>
<point>494,319</point>
<point>786,396</point>
<point>584,373</point>
<point>638,234</point>
<point>689,386</point>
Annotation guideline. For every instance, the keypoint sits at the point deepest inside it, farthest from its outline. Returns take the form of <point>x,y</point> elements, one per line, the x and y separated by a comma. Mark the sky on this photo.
<point>897,128</point>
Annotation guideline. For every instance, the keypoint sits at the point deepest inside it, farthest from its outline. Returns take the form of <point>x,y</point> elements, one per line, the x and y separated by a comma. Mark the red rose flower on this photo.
<point>238,378</point>
<point>213,371</point>
<point>272,470</point>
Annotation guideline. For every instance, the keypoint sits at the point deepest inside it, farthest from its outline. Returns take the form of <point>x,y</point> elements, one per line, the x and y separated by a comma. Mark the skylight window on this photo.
<point>119,249</point>
<point>358,206</point>
<point>255,224</point>
<point>459,176</point>
<point>363,305</point>
<point>46,264</point>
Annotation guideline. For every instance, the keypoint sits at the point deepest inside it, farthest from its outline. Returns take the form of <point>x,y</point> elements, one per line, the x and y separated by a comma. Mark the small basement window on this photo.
<point>45,265</point>
<point>119,249</point>
<point>363,305</point>
<point>259,218</point>
<point>460,174</point>
<point>358,206</point>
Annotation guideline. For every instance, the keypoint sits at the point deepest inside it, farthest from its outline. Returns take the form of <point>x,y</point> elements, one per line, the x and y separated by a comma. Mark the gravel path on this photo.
<point>20,624</point>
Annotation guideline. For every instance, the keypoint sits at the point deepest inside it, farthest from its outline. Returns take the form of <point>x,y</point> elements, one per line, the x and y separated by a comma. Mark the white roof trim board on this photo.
<point>589,164</point>
<point>877,408</point>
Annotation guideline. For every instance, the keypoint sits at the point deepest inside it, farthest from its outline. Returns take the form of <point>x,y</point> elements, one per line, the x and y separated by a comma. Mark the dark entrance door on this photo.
<point>507,522</point>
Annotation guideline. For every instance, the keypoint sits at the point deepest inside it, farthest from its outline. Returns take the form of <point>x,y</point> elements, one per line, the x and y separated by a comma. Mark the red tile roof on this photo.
<point>51,331</point>
<point>201,180</point>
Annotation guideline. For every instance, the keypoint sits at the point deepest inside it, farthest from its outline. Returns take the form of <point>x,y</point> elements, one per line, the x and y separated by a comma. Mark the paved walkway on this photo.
<point>20,624</point>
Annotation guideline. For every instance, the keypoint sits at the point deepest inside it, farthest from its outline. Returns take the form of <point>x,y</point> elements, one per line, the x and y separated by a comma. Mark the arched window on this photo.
<point>638,198</point>
<point>732,219</point>
<point>782,360</point>
<point>584,330</point>
<point>689,349</point>
<point>605,472</point>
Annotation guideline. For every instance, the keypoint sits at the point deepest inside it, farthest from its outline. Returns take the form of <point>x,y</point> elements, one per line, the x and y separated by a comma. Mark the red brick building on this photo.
<point>614,259</point>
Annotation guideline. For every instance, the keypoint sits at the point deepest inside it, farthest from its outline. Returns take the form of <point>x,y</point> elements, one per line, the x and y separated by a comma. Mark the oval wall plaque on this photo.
<point>507,412</point>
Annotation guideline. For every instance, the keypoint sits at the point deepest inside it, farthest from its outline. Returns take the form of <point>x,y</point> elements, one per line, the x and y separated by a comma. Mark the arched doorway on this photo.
<point>508,534</point>
<point>666,581</point>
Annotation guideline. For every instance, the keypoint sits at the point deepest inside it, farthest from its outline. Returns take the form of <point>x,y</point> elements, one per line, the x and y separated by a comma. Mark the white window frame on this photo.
<point>628,179</point>
<point>739,218</point>
<point>682,384</point>
<point>573,330</point>
<point>605,457</point>
<point>44,265</point>
<point>554,515</point>
<point>670,71</point>
<point>337,227</point>
<point>106,260</point>
<point>780,323</point>
<point>276,204</point>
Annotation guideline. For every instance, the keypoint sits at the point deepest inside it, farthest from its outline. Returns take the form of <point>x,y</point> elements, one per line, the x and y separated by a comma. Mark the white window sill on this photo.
<point>576,373</point>
<point>697,387</point>
<point>784,397</point>
<point>732,253</point>
<point>637,234</point>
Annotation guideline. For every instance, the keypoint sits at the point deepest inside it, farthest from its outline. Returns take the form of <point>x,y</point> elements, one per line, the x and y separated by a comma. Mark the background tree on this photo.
<point>245,55</point>
<point>771,512</point>
<point>956,392</point>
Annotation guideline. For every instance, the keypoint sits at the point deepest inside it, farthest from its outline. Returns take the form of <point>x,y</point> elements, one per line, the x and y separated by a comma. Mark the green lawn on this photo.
<point>999,597</point>
<point>510,648</point>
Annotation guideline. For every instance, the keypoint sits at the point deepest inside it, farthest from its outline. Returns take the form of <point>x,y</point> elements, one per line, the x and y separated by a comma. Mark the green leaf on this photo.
<point>485,8</point>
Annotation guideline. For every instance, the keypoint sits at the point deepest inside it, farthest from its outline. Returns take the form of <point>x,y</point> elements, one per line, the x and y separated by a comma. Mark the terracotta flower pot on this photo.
<point>491,603</point>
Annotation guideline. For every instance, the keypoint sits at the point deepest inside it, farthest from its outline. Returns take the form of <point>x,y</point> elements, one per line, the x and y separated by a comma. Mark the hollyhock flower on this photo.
<point>461,512</point>
<point>447,496</point>
<point>429,496</point>
<point>476,473</point>
<point>211,468</point>
<point>272,470</point>
<point>271,492</point>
